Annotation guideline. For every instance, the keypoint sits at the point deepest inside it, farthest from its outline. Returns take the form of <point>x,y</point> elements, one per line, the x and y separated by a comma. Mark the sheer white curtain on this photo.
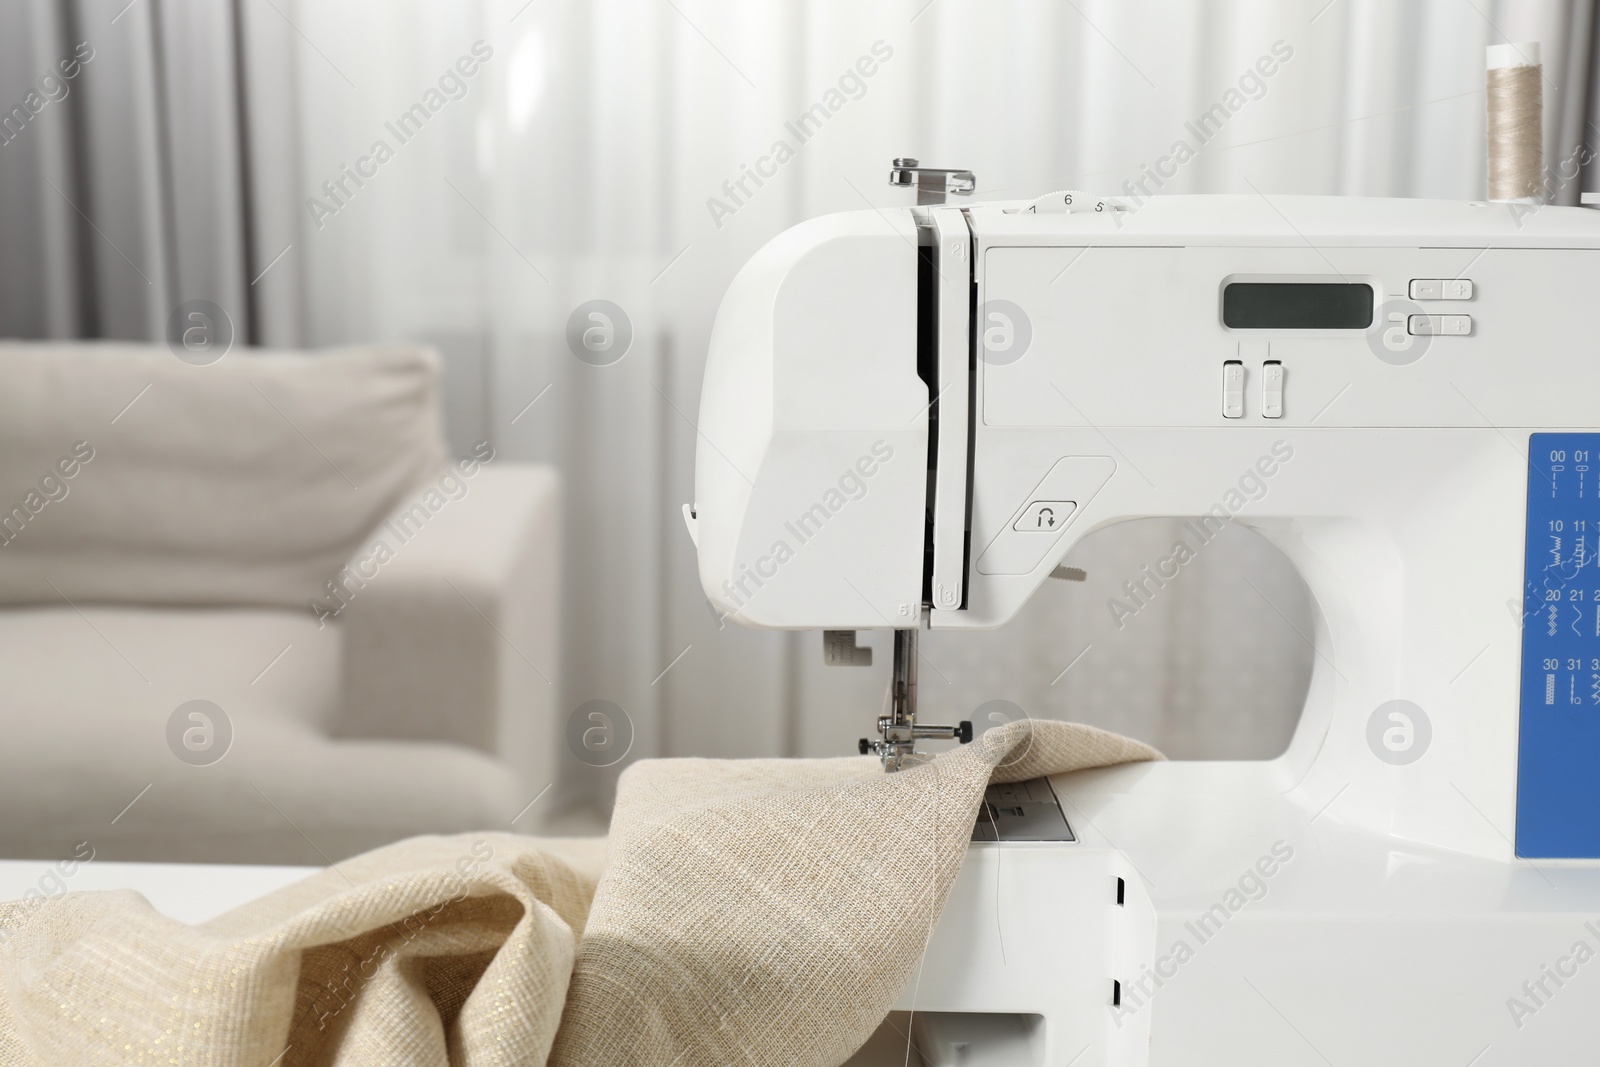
<point>598,154</point>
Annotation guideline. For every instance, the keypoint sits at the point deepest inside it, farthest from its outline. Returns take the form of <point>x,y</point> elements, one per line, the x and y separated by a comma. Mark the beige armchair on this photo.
<point>370,627</point>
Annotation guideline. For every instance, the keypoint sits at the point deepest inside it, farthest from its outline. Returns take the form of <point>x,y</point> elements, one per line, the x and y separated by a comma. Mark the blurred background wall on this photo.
<point>216,150</point>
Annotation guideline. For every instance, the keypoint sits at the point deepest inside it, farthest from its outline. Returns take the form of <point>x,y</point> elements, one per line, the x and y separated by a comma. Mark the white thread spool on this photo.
<point>1513,86</point>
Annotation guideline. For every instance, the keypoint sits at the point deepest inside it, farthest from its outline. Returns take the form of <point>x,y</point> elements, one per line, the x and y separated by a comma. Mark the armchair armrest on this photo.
<point>450,628</point>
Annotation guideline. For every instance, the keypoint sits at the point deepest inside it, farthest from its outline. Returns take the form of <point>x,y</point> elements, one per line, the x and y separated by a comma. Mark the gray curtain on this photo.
<point>130,178</point>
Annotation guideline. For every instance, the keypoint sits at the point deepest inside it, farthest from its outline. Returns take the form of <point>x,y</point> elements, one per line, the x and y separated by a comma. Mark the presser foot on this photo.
<point>897,741</point>
<point>898,731</point>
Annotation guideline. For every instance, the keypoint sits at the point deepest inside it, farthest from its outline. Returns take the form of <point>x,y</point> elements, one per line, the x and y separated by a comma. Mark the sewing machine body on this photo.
<point>1433,489</point>
<point>1352,948</point>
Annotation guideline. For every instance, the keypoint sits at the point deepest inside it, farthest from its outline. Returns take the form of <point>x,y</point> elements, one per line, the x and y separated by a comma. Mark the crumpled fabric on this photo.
<point>741,911</point>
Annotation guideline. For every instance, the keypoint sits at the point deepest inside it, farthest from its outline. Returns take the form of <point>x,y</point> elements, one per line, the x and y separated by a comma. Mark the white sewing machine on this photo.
<point>910,416</point>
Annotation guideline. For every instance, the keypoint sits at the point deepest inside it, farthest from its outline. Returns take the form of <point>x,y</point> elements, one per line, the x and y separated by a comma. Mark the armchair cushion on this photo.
<point>87,755</point>
<point>130,476</point>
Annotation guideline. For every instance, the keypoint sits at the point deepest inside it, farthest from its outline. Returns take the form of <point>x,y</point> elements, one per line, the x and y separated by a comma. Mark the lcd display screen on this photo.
<point>1297,305</point>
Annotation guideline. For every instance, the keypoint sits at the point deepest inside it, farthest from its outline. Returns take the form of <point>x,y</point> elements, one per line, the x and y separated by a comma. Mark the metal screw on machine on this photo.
<point>899,731</point>
<point>931,183</point>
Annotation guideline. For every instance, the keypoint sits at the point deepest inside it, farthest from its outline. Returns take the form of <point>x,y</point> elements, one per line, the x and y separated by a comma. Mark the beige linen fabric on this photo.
<point>771,911</point>
<point>435,950</point>
<point>129,476</point>
<point>750,912</point>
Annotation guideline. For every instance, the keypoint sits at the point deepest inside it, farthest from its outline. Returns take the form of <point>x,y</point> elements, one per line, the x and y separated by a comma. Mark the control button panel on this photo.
<point>1044,516</point>
<point>1233,389</point>
<point>1272,389</point>
<point>1441,288</point>
<point>1440,325</point>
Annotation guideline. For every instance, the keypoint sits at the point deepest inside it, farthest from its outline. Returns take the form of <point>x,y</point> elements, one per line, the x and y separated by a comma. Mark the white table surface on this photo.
<point>189,892</point>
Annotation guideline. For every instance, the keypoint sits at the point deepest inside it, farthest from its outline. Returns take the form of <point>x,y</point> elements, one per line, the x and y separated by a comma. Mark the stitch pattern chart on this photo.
<point>1558,757</point>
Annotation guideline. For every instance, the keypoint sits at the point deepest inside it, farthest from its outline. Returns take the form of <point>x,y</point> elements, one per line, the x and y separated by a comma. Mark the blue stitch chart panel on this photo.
<point>1558,758</point>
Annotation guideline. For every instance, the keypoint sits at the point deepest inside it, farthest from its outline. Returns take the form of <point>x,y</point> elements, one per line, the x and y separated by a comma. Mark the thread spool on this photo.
<point>1513,86</point>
